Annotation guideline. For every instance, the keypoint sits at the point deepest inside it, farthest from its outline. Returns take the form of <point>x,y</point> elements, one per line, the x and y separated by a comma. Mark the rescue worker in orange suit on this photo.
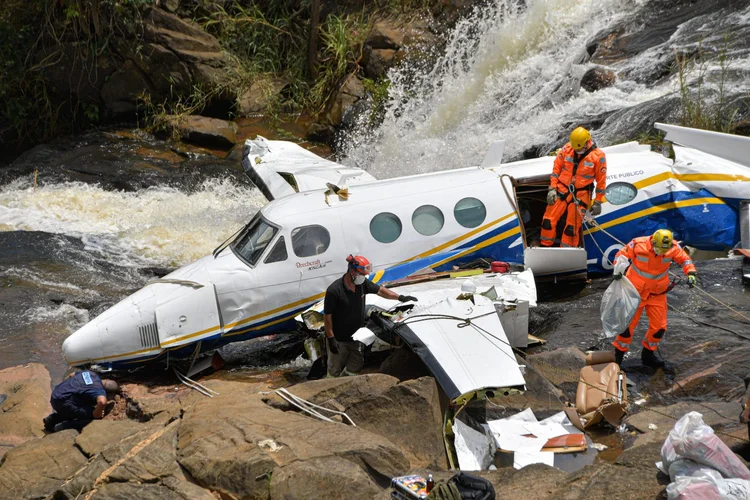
<point>649,258</point>
<point>578,164</point>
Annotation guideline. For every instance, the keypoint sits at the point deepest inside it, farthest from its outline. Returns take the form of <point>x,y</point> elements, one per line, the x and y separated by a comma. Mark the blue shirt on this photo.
<point>86,386</point>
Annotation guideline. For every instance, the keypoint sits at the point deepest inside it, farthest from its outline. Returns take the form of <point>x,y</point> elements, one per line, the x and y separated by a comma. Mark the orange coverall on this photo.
<point>590,167</point>
<point>649,274</point>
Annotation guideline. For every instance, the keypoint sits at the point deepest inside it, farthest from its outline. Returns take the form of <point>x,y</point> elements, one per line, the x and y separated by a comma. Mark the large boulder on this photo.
<point>322,478</point>
<point>165,57</point>
<point>233,443</point>
<point>205,131</point>
<point>377,62</point>
<point>654,424</point>
<point>260,95</point>
<point>348,95</point>
<point>408,414</point>
<point>26,403</point>
<point>37,468</point>
<point>597,79</point>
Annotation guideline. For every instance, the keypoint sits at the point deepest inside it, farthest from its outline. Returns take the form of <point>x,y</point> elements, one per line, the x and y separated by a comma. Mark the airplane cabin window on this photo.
<point>277,253</point>
<point>620,193</point>
<point>386,227</point>
<point>310,240</point>
<point>427,220</point>
<point>253,240</point>
<point>470,212</point>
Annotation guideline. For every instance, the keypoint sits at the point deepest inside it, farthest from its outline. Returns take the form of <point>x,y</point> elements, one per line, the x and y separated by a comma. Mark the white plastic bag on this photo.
<point>708,488</point>
<point>668,456</point>
<point>685,467</point>
<point>695,440</point>
<point>619,304</point>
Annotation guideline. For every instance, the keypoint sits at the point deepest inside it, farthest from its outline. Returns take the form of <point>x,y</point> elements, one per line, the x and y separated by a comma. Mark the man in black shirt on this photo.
<point>344,314</point>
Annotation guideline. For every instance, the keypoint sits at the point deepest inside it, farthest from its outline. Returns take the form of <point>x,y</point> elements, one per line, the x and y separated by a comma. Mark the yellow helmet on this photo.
<point>662,240</point>
<point>579,138</point>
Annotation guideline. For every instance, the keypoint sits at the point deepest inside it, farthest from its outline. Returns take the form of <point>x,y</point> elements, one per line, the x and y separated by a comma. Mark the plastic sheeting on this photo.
<point>619,304</point>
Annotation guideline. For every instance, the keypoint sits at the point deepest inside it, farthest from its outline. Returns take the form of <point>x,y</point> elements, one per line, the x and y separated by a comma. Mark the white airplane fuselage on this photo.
<point>295,246</point>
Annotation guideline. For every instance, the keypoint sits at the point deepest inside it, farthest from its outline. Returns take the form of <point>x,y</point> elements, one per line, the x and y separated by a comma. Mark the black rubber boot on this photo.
<point>618,356</point>
<point>49,422</point>
<point>651,358</point>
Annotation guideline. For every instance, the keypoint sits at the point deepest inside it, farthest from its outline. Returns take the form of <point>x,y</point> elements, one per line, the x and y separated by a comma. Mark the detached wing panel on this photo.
<point>281,168</point>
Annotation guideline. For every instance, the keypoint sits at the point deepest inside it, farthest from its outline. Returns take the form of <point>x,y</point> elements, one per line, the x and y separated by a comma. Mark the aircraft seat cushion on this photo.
<point>596,384</point>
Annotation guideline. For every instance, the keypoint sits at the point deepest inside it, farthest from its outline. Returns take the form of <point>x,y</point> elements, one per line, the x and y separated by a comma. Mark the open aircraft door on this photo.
<point>189,318</point>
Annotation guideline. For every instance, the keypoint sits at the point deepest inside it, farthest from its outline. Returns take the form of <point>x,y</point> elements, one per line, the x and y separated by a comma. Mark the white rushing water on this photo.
<point>511,72</point>
<point>158,226</point>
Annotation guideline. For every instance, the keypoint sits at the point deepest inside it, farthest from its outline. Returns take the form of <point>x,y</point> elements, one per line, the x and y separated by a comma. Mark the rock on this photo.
<point>350,92</point>
<point>641,457</point>
<point>144,456</point>
<point>603,480</point>
<point>377,62</point>
<point>27,392</point>
<point>37,468</point>
<point>260,95</point>
<point>101,434</point>
<point>231,442</point>
<point>166,71</point>
<point>715,414</point>
<point>322,478</point>
<point>535,481</point>
<point>597,79</point>
<point>321,132</point>
<point>120,93</point>
<point>205,131</point>
<point>384,35</point>
<point>169,489</point>
<point>169,5</point>
<point>408,413</point>
<point>403,364</point>
<point>568,359</point>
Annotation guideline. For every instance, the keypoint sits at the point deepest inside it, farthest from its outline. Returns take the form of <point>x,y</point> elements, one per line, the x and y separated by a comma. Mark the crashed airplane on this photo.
<point>281,262</point>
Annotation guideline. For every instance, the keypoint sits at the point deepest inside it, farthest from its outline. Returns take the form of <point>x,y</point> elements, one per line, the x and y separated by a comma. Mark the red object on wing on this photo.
<point>500,267</point>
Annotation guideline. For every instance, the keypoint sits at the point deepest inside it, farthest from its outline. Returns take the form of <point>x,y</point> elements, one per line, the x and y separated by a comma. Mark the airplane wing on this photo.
<point>281,168</point>
<point>735,148</point>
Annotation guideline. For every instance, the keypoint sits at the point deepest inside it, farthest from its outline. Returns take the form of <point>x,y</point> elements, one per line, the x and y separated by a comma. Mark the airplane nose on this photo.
<point>83,346</point>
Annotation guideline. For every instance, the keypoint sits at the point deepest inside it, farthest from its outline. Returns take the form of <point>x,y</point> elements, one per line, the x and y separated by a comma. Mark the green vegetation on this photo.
<point>704,103</point>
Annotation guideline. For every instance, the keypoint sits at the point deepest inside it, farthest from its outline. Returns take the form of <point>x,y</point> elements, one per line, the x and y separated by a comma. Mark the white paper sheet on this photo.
<point>364,335</point>
<point>472,448</point>
<point>521,459</point>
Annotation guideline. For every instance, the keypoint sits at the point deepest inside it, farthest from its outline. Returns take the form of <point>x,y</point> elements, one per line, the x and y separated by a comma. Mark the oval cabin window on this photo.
<point>386,227</point>
<point>310,240</point>
<point>470,212</point>
<point>620,193</point>
<point>428,220</point>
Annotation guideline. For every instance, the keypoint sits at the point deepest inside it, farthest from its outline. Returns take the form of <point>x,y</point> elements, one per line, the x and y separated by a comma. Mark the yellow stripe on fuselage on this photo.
<point>461,238</point>
<point>480,245</point>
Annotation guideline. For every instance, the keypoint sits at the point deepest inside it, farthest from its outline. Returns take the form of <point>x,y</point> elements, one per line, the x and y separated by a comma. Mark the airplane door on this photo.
<point>188,318</point>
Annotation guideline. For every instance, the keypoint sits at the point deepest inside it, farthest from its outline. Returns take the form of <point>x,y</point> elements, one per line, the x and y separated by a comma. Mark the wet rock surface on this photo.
<point>24,401</point>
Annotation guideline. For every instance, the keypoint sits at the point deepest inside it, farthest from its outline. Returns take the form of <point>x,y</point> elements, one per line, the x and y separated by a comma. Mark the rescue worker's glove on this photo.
<point>551,197</point>
<point>621,264</point>
<point>333,345</point>
<point>692,279</point>
<point>596,208</point>
<point>407,298</point>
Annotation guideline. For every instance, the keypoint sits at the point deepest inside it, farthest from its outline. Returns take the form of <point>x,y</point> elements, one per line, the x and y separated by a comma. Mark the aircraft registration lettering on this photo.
<point>625,175</point>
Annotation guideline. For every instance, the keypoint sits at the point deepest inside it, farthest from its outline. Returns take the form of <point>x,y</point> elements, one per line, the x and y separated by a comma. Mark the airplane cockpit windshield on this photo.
<point>253,240</point>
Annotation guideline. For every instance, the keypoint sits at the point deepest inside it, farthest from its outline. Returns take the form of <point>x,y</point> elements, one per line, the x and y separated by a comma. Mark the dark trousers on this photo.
<point>70,413</point>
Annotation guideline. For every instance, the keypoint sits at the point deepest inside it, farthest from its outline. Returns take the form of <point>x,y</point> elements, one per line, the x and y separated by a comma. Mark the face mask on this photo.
<point>359,279</point>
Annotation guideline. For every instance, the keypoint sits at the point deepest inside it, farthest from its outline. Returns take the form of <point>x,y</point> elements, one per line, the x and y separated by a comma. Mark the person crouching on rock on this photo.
<point>344,314</point>
<point>77,401</point>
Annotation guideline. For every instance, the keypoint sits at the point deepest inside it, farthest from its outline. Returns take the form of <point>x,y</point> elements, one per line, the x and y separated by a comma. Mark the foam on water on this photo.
<point>72,317</point>
<point>156,226</point>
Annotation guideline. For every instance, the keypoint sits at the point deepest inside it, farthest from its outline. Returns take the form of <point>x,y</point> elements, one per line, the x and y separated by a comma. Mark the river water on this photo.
<point>109,211</point>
